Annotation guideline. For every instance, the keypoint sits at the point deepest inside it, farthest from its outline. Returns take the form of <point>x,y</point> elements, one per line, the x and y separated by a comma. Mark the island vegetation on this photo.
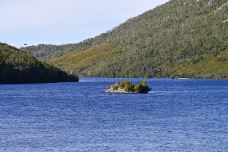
<point>129,87</point>
<point>16,66</point>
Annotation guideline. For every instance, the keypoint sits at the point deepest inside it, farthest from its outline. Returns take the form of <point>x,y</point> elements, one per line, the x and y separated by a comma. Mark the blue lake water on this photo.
<point>178,115</point>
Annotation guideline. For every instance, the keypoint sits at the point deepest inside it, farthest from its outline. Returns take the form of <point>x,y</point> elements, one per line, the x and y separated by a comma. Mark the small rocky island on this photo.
<point>129,87</point>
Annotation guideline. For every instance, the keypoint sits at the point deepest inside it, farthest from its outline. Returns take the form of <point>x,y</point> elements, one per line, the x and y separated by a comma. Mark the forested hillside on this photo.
<point>46,51</point>
<point>182,38</point>
<point>17,66</point>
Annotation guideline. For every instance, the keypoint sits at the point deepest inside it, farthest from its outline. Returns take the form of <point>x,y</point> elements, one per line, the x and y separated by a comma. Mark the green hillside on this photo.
<point>17,66</point>
<point>182,38</point>
<point>46,51</point>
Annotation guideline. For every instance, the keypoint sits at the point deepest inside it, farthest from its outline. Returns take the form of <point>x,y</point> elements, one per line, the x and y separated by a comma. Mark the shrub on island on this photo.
<point>129,87</point>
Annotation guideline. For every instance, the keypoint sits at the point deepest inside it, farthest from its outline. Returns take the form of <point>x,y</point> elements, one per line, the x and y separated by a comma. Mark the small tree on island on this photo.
<point>142,87</point>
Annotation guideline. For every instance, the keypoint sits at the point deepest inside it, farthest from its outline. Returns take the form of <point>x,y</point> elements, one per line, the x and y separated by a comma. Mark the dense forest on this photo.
<point>17,66</point>
<point>182,38</point>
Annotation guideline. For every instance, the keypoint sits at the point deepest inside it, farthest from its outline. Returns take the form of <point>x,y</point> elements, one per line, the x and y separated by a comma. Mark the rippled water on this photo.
<point>178,115</point>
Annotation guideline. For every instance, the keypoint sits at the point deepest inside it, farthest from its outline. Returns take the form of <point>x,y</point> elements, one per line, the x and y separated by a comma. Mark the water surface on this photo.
<point>178,115</point>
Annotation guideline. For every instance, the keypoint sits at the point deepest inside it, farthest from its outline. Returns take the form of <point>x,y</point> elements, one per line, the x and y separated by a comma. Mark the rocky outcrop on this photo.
<point>211,2</point>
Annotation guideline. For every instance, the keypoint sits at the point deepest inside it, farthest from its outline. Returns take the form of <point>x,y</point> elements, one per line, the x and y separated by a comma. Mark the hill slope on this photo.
<point>18,67</point>
<point>182,38</point>
<point>46,51</point>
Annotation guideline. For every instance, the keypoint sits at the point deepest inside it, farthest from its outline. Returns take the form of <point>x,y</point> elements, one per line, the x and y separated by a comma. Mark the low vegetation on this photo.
<point>129,87</point>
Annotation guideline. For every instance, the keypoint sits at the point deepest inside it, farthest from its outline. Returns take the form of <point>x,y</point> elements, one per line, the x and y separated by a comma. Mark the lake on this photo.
<point>177,115</point>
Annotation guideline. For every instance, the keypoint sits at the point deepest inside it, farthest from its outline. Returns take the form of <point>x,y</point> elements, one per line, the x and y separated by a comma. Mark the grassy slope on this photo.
<point>179,38</point>
<point>211,67</point>
<point>18,67</point>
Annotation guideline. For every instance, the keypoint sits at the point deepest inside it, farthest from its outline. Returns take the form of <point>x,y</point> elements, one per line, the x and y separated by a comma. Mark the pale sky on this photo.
<point>64,21</point>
